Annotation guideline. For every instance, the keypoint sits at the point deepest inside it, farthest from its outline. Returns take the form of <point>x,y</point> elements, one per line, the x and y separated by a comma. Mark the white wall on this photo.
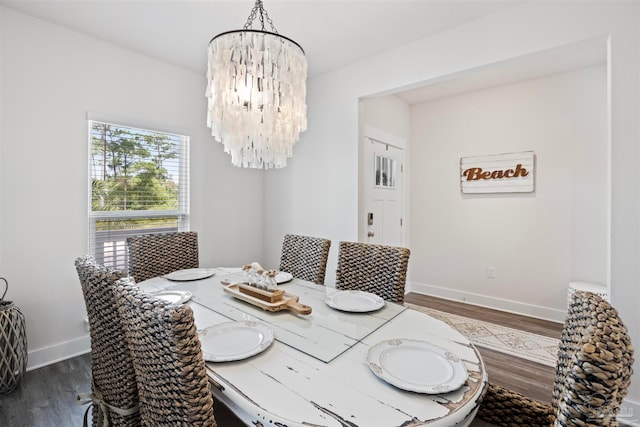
<point>537,242</point>
<point>314,195</point>
<point>1,62</point>
<point>323,177</point>
<point>51,77</point>
<point>388,114</point>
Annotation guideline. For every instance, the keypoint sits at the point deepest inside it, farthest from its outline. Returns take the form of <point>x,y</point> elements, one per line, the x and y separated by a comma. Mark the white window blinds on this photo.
<point>138,184</point>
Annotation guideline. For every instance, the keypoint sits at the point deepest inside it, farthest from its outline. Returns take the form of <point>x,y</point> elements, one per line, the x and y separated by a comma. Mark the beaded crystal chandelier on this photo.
<point>256,88</point>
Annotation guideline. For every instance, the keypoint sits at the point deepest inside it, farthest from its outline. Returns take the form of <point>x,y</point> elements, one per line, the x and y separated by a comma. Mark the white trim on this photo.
<point>378,135</point>
<point>116,256</point>
<point>629,413</point>
<point>134,214</point>
<point>135,123</point>
<point>58,352</point>
<point>609,203</point>
<point>489,302</point>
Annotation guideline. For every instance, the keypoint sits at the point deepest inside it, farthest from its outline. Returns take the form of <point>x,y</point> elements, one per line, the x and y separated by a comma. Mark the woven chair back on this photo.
<point>594,364</point>
<point>167,356</point>
<point>111,363</point>
<point>305,257</point>
<point>154,255</point>
<point>378,269</point>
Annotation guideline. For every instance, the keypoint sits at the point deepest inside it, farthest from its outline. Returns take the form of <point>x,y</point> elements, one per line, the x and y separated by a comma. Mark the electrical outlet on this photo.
<point>86,324</point>
<point>491,272</point>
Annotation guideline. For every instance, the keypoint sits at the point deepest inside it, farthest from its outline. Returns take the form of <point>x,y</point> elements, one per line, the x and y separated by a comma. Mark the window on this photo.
<point>138,184</point>
<point>385,171</point>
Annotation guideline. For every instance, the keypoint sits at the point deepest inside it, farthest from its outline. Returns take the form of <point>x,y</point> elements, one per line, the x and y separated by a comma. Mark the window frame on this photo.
<point>182,214</point>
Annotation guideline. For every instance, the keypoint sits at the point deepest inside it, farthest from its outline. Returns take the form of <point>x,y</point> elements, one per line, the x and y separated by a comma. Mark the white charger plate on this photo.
<point>417,366</point>
<point>174,297</point>
<point>283,277</point>
<point>354,301</point>
<point>189,274</point>
<point>235,340</point>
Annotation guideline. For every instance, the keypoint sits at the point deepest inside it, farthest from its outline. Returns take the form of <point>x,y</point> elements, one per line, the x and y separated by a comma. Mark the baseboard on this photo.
<point>629,414</point>
<point>55,353</point>
<point>489,302</point>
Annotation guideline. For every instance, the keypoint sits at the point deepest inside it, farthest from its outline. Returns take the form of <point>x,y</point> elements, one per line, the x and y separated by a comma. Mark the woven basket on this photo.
<point>13,344</point>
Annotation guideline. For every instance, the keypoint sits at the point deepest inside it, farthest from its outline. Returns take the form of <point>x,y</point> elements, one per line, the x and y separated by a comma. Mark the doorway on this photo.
<point>383,172</point>
<point>383,192</point>
<point>444,262</point>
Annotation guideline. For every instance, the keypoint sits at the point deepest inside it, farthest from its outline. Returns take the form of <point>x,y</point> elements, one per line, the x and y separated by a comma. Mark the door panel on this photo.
<point>383,193</point>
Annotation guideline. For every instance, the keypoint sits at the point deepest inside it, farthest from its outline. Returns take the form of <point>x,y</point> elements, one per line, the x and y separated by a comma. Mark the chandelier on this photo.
<point>256,93</point>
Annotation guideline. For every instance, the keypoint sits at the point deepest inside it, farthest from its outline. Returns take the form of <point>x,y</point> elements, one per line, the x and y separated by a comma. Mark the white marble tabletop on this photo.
<point>287,386</point>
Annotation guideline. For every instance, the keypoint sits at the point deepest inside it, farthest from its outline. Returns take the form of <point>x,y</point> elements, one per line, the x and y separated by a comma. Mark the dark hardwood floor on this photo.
<point>46,397</point>
<point>530,378</point>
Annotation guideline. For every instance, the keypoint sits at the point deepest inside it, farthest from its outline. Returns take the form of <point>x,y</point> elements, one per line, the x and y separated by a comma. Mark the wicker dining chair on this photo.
<point>114,389</point>
<point>154,255</point>
<point>172,379</point>
<point>305,257</point>
<point>378,269</point>
<point>593,373</point>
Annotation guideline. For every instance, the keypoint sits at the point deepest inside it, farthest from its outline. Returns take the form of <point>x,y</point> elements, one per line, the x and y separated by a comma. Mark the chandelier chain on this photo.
<point>259,12</point>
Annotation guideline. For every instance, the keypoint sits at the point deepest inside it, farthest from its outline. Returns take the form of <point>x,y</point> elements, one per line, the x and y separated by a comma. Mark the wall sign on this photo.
<point>498,173</point>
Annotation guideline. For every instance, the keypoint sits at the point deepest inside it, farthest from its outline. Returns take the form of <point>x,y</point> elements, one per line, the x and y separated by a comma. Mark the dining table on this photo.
<point>345,363</point>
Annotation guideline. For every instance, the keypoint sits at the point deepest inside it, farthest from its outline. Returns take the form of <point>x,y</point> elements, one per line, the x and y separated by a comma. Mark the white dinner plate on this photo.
<point>235,340</point>
<point>283,277</point>
<point>354,301</point>
<point>174,297</point>
<point>417,366</point>
<point>189,274</point>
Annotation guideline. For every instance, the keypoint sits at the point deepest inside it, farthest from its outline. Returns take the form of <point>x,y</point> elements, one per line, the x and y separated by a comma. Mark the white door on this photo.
<point>383,193</point>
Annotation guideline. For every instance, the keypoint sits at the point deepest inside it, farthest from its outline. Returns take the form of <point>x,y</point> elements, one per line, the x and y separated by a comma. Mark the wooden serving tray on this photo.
<point>267,300</point>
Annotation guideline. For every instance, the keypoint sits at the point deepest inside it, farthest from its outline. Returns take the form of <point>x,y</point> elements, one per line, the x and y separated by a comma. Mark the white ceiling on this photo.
<point>565,58</point>
<point>332,33</point>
